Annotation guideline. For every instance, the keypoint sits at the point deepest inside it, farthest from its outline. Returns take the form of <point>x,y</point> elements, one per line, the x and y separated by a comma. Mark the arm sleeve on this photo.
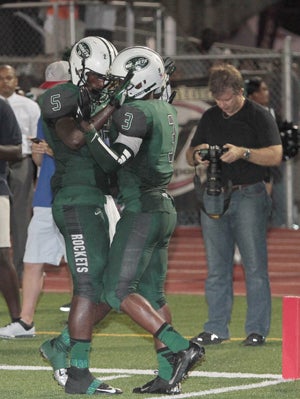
<point>112,158</point>
<point>130,123</point>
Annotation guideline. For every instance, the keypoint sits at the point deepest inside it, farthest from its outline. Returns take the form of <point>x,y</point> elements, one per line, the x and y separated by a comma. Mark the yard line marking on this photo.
<point>222,390</point>
<point>114,377</point>
<point>210,374</point>
<point>214,374</point>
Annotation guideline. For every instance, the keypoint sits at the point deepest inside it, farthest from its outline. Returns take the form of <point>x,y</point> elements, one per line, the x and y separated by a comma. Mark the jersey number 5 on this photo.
<point>55,102</point>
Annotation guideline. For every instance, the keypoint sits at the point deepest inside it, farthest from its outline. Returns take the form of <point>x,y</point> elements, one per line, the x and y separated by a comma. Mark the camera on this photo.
<point>214,170</point>
<point>290,138</point>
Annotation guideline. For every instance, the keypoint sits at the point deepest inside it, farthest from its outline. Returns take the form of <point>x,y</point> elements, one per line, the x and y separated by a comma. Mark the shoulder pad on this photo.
<point>59,101</point>
<point>130,121</point>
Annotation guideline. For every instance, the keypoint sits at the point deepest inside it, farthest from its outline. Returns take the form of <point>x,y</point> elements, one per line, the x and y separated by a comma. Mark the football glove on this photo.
<point>169,65</point>
<point>119,95</point>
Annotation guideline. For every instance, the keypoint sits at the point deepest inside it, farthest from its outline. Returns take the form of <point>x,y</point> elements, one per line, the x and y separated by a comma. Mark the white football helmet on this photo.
<point>147,66</point>
<point>91,54</point>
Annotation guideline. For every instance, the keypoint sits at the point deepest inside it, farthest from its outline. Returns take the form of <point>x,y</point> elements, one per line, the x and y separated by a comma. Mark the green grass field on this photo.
<point>123,355</point>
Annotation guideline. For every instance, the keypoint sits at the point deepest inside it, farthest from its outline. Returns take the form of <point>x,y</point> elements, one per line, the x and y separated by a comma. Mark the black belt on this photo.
<point>239,187</point>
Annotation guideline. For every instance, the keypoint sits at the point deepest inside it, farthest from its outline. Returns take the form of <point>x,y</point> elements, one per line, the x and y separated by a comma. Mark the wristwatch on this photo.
<point>247,154</point>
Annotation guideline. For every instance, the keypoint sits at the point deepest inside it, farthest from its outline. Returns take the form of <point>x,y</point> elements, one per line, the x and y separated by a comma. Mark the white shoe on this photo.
<point>16,330</point>
<point>61,376</point>
<point>65,308</point>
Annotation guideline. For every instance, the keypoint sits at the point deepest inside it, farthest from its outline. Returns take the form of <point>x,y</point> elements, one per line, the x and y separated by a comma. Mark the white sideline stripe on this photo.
<point>210,374</point>
<point>114,377</point>
<point>222,390</point>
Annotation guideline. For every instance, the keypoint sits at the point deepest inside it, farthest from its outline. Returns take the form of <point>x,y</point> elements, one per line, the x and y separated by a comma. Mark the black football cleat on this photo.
<point>158,385</point>
<point>81,381</point>
<point>185,360</point>
<point>104,388</point>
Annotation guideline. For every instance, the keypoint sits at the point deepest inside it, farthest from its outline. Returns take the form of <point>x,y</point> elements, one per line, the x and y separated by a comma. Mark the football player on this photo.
<point>143,141</point>
<point>81,195</point>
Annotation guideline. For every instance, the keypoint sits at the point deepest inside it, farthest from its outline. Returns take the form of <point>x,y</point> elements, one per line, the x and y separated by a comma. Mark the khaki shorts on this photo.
<point>4,222</point>
<point>44,244</point>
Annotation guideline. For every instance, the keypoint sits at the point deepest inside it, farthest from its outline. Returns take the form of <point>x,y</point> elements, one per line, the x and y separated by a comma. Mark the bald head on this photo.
<point>8,80</point>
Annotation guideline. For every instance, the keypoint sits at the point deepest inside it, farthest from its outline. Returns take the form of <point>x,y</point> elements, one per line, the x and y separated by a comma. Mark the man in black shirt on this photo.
<point>251,140</point>
<point>10,149</point>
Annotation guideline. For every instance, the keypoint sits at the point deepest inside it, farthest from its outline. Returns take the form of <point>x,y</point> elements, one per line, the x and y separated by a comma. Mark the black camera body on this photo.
<point>290,138</point>
<point>214,170</point>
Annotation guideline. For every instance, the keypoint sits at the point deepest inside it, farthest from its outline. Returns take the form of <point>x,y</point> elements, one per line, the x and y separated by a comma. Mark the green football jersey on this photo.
<point>73,167</point>
<point>144,179</point>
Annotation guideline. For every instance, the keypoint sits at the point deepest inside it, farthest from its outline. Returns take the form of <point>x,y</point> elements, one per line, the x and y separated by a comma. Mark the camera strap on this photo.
<point>200,190</point>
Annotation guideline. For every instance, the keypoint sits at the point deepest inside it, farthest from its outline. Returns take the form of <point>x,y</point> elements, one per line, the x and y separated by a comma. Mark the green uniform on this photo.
<point>79,186</point>
<point>144,136</point>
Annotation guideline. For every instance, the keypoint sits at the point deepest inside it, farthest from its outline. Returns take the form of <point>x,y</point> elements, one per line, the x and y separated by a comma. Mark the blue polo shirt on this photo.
<point>43,194</point>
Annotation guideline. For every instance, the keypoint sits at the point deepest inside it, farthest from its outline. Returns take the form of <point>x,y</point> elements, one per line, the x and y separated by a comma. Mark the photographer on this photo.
<point>252,142</point>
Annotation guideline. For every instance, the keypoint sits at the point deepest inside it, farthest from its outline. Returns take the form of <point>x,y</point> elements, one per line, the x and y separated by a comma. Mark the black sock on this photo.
<point>25,325</point>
